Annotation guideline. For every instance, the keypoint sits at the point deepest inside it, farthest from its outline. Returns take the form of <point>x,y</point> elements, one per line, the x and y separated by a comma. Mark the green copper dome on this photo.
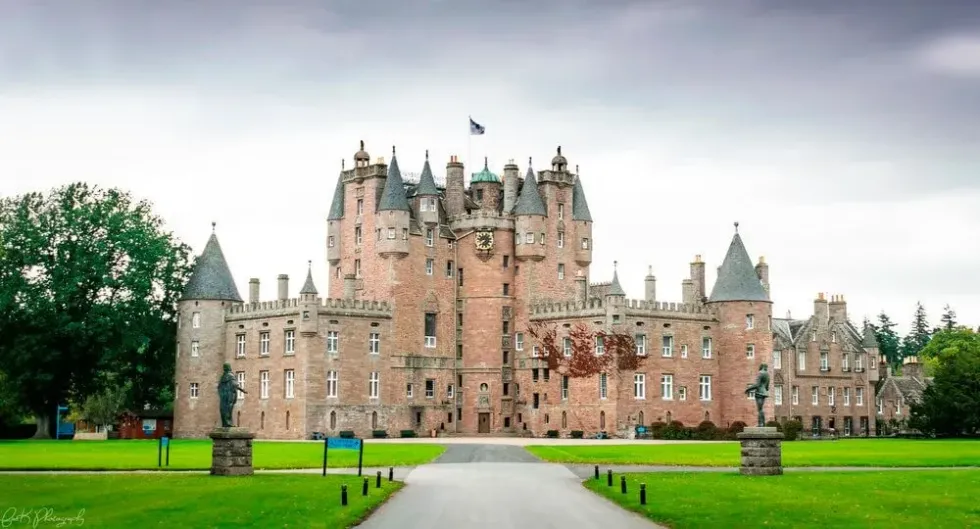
<point>485,175</point>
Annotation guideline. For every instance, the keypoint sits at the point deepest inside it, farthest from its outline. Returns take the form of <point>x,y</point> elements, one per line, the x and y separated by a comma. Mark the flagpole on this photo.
<point>469,146</point>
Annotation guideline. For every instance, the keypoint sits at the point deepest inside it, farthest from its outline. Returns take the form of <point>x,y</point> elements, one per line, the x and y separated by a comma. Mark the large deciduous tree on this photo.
<point>950,405</point>
<point>577,357</point>
<point>89,283</point>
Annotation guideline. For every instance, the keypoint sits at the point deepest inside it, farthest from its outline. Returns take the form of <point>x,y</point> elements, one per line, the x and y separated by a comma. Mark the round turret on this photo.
<point>486,188</point>
<point>361,157</point>
<point>559,162</point>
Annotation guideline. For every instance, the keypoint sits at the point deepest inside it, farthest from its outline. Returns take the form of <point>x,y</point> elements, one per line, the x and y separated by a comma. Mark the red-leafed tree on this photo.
<point>618,350</point>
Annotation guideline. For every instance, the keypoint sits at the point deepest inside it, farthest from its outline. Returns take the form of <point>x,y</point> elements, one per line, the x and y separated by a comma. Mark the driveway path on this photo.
<point>498,487</point>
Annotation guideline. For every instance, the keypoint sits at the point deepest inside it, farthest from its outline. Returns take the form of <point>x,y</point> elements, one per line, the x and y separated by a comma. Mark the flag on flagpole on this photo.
<point>476,129</point>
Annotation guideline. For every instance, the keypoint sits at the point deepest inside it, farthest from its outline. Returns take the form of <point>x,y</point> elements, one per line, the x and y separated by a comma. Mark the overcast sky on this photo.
<point>844,136</point>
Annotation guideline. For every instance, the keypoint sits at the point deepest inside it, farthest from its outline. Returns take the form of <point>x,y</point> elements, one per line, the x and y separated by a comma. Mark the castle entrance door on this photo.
<point>483,423</point>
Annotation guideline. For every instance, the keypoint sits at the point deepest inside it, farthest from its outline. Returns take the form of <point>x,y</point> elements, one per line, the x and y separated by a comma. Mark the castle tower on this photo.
<point>744,340</point>
<point>582,218</point>
<point>530,216</point>
<point>393,216</point>
<point>511,183</point>
<point>201,341</point>
<point>308,301</point>
<point>485,188</point>
<point>427,195</point>
<point>615,297</point>
<point>336,215</point>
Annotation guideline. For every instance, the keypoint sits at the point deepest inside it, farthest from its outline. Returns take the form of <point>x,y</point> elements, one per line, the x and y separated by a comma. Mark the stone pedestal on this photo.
<point>231,452</point>
<point>762,451</point>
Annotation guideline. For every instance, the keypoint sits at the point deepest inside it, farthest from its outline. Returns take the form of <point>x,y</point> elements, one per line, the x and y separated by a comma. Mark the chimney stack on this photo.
<point>838,308</point>
<point>820,310</point>
<point>283,287</point>
<point>697,278</point>
<point>688,292</point>
<point>650,286</point>
<point>253,290</point>
<point>762,270</point>
<point>511,177</point>
<point>911,367</point>
<point>455,187</point>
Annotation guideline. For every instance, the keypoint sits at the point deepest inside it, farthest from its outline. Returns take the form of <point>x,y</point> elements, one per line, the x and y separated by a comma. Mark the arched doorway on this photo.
<point>640,420</point>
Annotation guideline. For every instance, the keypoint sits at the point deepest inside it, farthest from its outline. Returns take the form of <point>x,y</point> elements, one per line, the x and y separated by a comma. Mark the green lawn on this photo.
<point>848,452</point>
<point>922,498</point>
<point>189,501</point>
<point>196,455</point>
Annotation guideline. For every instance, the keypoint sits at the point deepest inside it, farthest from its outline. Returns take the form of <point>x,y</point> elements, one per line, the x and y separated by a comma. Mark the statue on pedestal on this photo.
<point>228,389</point>
<point>761,391</point>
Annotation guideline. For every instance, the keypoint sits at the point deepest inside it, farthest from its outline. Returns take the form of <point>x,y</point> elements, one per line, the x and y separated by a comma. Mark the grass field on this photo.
<point>923,498</point>
<point>188,500</point>
<point>853,452</point>
<point>196,455</point>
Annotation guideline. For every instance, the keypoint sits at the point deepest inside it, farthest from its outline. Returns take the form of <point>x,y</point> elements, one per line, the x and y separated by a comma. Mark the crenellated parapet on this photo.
<point>643,308</point>
<point>324,307</point>
<point>482,218</point>
<point>555,310</point>
<point>596,307</point>
<point>562,178</point>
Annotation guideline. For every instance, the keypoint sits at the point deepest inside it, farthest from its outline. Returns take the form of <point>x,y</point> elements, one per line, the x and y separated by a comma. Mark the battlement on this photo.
<point>328,307</point>
<point>566,309</point>
<point>634,307</point>
<point>482,218</point>
<point>638,306</point>
<point>558,177</point>
<point>379,169</point>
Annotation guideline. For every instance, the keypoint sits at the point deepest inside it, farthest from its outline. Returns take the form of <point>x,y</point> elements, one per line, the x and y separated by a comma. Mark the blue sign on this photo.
<point>343,444</point>
<point>641,429</point>
<point>165,441</point>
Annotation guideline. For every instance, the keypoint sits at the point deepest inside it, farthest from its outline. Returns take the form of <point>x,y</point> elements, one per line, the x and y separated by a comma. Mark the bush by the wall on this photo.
<point>775,424</point>
<point>576,434</point>
<point>657,429</point>
<point>676,431</point>
<point>706,431</point>
<point>347,434</point>
<point>379,434</point>
<point>408,433</point>
<point>552,434</point>
<point>792,429</point>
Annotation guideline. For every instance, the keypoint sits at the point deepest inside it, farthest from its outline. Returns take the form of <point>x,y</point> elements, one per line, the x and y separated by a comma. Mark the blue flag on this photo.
<point>476,129</point>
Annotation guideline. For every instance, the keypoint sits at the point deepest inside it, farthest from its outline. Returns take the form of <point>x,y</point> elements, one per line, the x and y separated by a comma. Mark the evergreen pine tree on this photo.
<point>888,342</point>
<point>948,318</point>
<point>919,335</point>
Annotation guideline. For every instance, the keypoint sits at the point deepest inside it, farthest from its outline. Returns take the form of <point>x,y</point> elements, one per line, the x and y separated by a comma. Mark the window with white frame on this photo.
<point>332,382</point>
<point>750,350</point>
<point>705,347</point>
<point>859,396</point>
<point>196,320</point>
<point>374,343</point>
<point>430,388</point>
<point>561,239</point>
<point>429,237</point>
<point>846,393</point>
<point>641,344</point>
<point>561,211</point>
<point>333,341</point>
<point>430,330</point>
<point>777,395</point>
<point>392,234</point>
<point>240,346</point>
<point>409,390</point>
<point>360,206</point>
<point>430,264</point>
<point>749,321</point>
<point>684,350</point>
<point>566,346</point>
<point>450,391</point>
<point>331,242</point>
<point>195,348</point>
<point>535,351</point>
<point>519,341</point>
<point>358,237</point>
<point>357,268</point>
<point>263,384</point>
<point>858,362</point>
<point>845,362</point>
<point>290,342</point>
<point>240,377</point>
<point>603,386</point>
<point>831,395</point>
<point>796,395</point>
<point>777,360</point>
<point>824,361</point>
<point>290,383</point>
<point>374,385</point>
<point>194,389</point>
<point>561,270</point>
<point>801,361</point>
<point>529,238</point>
<point>898,406</point>
<point>639,386</point>
<point>704,387</point>
<point>585,243</point>
<point>449,269</point>
<point>668,346</point>
<point>600,345</point>
<point>682,393</point>
<point>881,407</point>
<point>564,387</point>
<point>264,343</point>
<point>814,395</point>
<point>667,387</point>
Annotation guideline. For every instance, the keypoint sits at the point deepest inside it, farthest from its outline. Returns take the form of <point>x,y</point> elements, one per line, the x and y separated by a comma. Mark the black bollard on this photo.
<point>377,483</point>
<point>622,484</point>
<point>643,493</point>
<point>391,473</point>
<point>597,472</point>
<point>609,478</point>
<point>364,488</point>
<point>343,495</point>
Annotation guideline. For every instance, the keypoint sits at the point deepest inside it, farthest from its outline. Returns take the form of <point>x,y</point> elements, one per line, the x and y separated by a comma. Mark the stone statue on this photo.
<point>761,390</point>
<point>228,389</point>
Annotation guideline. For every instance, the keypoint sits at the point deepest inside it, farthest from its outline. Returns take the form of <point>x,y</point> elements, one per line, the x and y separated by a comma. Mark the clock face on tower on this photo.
<point>484,241</point>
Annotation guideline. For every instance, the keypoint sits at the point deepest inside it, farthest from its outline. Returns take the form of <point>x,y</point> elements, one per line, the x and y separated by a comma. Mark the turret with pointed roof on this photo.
<point>211,278</point>
<point>393,196</point>
<point>427,195</point>
<point>393,218</point>
<point>529,201</point>
<point>580,206</point>
<point>615,289</point>
<point>737,278</point>
<point>427,184</point>
<point>530,219</point>
<point>308,286</point>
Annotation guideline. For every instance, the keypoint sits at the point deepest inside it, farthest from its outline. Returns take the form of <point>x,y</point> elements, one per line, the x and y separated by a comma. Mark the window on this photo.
<point>639,386</point>
<point>824,361</point>
<point>404,234</point>
<point>684,351</point>
<point>535,400</point>
<point>479,195</point>
<point>561,239</point>
<point>667,387</point>
<point>814,395</point>
<point>263,384</point>
<point>333,341</point>
<point>845,362</point>
<point>813,336</point>
<point>290,383</point>
<point>859,396</point>
<point>749,321</point>
<point>529,238</point>
<point>534,375</point>
<point>777,395</point>
<point>859,362</point>
<point>409,390</point>
<point>898,406</point>
<point>429,237</point>
<point>831,395</point>
<point>564,387</point>
<point>290,342</point>
<point>374,385</point>
<point>847,396</point>
<point>357,236</point>
<point>566,346</point>
<point>391,234</point>
<point>240,346</point>
<point>196,320</point>
<point>561,270</point>
<point>450,391</point>
<point>796,395</point>
<point>585,243</point>
<point>357,268</point>
<point>535,351</point>
<point>430,388</point>
<point>777,360</point>
<point>641,344</point>
<point>705,347</point>
<point>801,361</point>
<point>600,345</point>
<point>430,330</point>
<point>374,343</point>
<point>506,289</point>
<point>264,343</point>
<point>331,384</point>
<point>378,231</point>
<point>330,242</point>
<point>704,387</point>
<point>833,337</point>
<point>668,346</point>
<point>240,377</point>
<point>360,206</point>
<point>750,351</point>
<point>506,258</point>
<point>429,265</point>
<point>542,238</point>
<point>682,393</point>
<point>449,269</point>
<point>561,211</point>
<point>519,341</point>
<point>880,403</point>
<point>603,385</point>
<point>195,348</point>
<point>194,388</point>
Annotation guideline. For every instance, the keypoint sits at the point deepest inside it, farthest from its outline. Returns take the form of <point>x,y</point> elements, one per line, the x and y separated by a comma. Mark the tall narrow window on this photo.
<point>430,330</point>
<point>240,376</point>
<point>357,236</point>
<point>196,320</point>
<point>333,341</point>
<point>290,383</point>
<point>704,387</point>
<point>777,395</point>
<point>566,346</point>
<point>264,344</point>
<point>705,347</point>
<point>749,321</point>
<point>600,345</point>
<point>564,387</point>
<point>750,351</point>
<point>561,239</point>
<point>240,346</point>
<point>374,385</point>
<point>429,237</point>
<point>667,387</point>
<point>801,361</point>
<point>641,344</point>
<point>374,346</point>
<point>603,386</point>
<point>561,270</point>
<point>639,386</point>
<point>263,384</point>
<point>430,265</point>
<point>777,360</point>
<point>668,346</point>
<point>332,384</point>
<point>796,395</point>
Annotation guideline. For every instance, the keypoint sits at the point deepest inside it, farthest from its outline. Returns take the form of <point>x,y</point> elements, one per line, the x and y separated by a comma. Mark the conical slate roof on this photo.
<point>615,289</point>
<point>211,278</point>
<point>580,208</point>
<point>427,185</point>
<point>337,205</point>
<point>529,202</point>
<point>393,196</point>
<point>308,286</point>
<point>737,280</point>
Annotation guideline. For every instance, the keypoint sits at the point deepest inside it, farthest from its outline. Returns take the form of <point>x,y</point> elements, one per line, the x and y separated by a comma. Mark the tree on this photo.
<point>101,409</point>
<point>89,283</point>
<point>887,338</point>
<point>948,318</point>
<point>918,336</point>
<point>619,350</point>
<point>950,404</point>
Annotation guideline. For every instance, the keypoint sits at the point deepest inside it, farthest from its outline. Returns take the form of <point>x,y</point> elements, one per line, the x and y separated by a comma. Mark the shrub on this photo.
<point>657,429</point>
<point>379,434</point>
<point>552,434</point>
<point>408,433</point>
<point>577,434</point>
<point>736,427</point>
<point>676,431</point>
<point>706,431</point>
<point>347,434</point>
<point>792,429</point>
<point>775,424</point>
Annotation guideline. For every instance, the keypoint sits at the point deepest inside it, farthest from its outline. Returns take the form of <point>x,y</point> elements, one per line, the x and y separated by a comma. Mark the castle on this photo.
<point>425,324</point>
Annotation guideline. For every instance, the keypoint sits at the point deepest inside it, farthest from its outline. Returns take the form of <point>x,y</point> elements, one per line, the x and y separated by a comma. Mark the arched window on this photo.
<point>287,420</point>
<point>639,419</point>
<point>669,417</point>
<point>333,420</point>
<point>564,420</point>
<point>602,420</point>
<point>707,416</point>
<point>484,387</point>
<point>262,421</point>
<point>374,420</point>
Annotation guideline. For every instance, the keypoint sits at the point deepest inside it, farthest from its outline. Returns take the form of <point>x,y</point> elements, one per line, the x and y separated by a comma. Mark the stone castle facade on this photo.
<point>424,325</point>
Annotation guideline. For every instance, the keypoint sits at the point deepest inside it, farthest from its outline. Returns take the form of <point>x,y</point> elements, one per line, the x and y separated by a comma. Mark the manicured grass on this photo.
<point>846,452</point>
<point>196,455</point>
<point>919,498</point>
<point>183,500</point>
